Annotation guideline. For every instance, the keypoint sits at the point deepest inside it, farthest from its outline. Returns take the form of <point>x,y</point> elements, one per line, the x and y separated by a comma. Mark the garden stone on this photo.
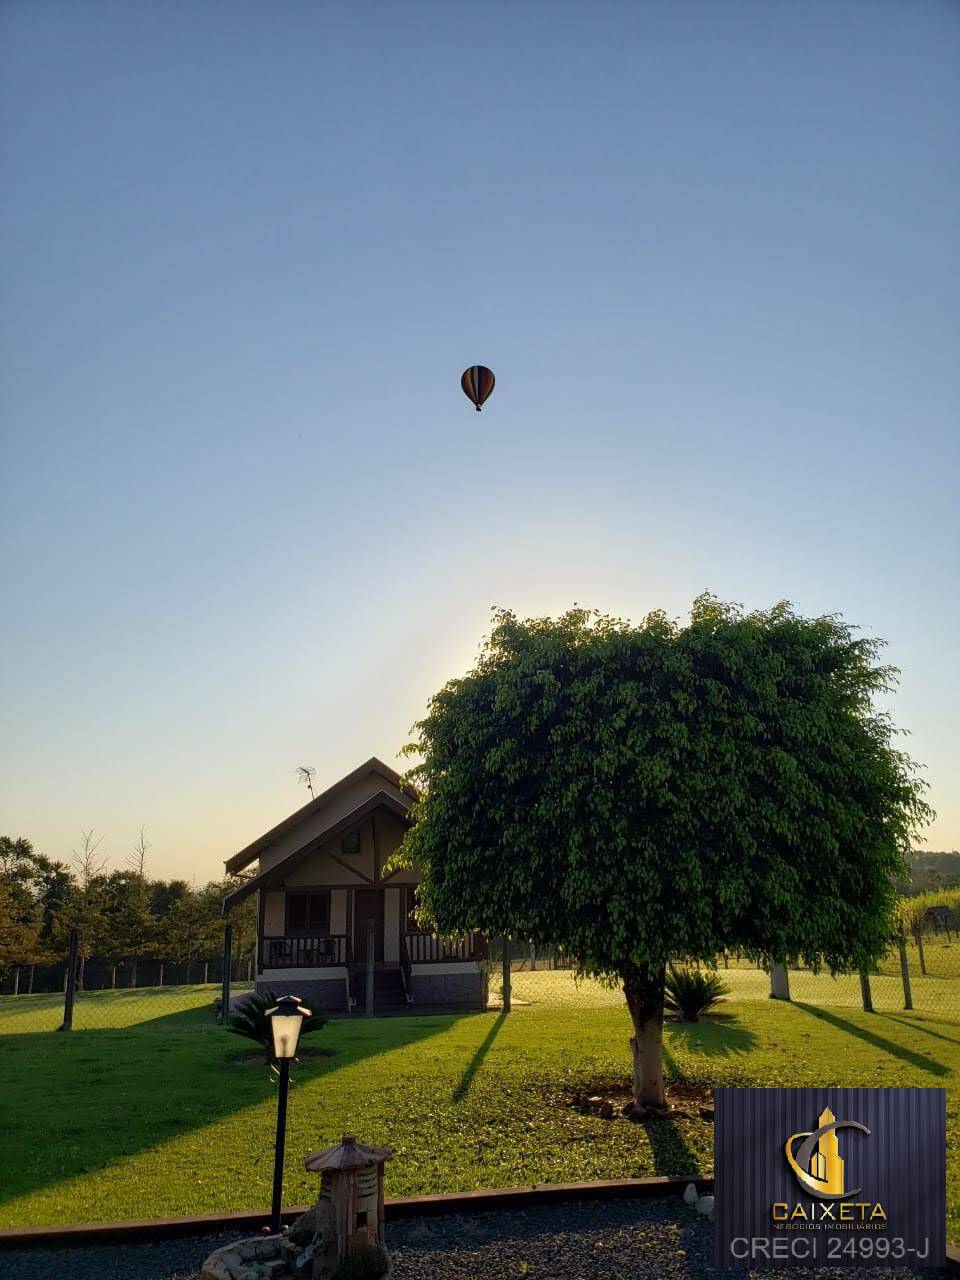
<point>245,1260</point>
<point>690,1194</point>
<point>705,1205</point>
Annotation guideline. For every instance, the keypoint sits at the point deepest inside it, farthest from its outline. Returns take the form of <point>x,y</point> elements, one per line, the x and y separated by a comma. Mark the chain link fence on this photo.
<point>923,975</point>
<point>87,992</point>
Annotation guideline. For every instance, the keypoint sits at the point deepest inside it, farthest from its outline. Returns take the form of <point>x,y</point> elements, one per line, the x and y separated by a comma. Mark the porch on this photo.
<point>428,971</point>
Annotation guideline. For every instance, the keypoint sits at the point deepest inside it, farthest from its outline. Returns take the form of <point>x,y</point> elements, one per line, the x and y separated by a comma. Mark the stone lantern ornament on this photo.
<point>340,1238</point>
<point>349,1211</point>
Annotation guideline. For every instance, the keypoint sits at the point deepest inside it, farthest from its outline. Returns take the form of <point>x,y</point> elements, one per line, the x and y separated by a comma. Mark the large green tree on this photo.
<point>643,793</point>
<point>21,869</point>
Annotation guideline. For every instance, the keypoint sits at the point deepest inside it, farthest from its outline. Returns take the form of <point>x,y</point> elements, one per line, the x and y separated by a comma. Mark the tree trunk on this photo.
<point>133,972</point>
<point>30,980</point>
<point>16,981</point>
<point>161,973</point>
<point>206,971</point>
<point>113,977</point>
<point>644,993</point>
<point>866,994</point>
<point>779,982</point>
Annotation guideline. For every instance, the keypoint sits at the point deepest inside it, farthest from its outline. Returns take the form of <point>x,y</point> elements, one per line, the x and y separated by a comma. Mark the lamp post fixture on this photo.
<point>286,1021</point>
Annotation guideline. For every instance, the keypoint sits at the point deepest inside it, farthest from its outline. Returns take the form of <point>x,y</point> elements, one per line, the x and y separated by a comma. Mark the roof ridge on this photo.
<point>237,861</point>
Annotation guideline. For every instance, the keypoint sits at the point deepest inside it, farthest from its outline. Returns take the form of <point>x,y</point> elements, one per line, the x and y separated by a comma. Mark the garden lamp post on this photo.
<point>286,1021</point>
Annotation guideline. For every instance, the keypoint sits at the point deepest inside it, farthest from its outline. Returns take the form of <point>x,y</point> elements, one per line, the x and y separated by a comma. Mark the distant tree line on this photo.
<point>134,930</point>
<point>931,871</point>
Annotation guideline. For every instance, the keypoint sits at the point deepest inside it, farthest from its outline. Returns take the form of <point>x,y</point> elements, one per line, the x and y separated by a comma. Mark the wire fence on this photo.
<point>922,975</point>
<point>86,992</point>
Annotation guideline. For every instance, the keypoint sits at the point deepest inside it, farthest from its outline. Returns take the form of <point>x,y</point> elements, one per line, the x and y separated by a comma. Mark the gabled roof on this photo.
<point>381,800</point>
<point>372,766</point>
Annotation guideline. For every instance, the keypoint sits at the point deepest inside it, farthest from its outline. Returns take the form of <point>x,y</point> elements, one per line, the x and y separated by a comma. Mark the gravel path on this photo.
<point>612,1240</point>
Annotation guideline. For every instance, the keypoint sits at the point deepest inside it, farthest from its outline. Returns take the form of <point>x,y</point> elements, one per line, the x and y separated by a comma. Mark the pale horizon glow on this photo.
<point>249,521</point>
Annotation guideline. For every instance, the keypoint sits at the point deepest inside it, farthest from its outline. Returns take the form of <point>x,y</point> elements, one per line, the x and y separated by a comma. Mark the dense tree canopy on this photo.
<point>640,793</point>
<point>123,915</point>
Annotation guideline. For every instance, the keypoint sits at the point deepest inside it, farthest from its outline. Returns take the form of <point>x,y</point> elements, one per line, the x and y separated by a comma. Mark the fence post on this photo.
<point>779,982</point>
<point>919,940</point>
<point>905,973</point>
<point>225,982</point>
<point>371,959</point>
<point>866,994</point>
<point>71,986</point>
<point>506,975</point>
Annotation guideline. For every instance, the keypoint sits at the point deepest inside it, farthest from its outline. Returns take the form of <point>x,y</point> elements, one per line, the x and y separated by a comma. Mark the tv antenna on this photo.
<point>306,774</point>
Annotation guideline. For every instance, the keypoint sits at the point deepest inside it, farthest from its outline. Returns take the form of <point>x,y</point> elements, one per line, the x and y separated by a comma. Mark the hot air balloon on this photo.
<point>477,383</point>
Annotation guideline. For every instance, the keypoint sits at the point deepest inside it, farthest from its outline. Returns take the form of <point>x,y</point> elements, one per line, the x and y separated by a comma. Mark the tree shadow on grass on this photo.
<point>672,1157</point>
<point>473,1066</point>
<point>720,1035</point>
<point>916,1024</point>
<point>916,1059</point>
<point>76,1103</point>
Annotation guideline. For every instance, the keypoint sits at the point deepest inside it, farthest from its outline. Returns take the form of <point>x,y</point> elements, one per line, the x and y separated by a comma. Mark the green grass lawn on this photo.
<point>147,1110</point>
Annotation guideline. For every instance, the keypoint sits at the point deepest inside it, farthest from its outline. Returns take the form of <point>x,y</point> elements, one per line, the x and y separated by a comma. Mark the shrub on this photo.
<point>690,993</point>
<point>249,1019</point>
<point>365,1263</point>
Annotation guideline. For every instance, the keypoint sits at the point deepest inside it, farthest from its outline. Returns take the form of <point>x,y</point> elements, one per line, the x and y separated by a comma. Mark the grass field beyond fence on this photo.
<point>149,1108</point>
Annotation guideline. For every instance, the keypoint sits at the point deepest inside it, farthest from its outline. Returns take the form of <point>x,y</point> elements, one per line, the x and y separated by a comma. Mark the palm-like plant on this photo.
<point>690,993</point>
<point>249,1019</point>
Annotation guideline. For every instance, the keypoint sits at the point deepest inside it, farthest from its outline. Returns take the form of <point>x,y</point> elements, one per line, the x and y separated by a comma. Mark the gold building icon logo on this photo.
<point>817,1163</point>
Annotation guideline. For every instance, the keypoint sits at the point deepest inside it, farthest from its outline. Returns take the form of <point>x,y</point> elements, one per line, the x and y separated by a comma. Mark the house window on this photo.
<point>308,912</point>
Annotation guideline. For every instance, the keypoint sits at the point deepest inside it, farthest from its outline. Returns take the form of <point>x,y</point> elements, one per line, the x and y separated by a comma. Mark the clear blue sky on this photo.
<point>249,519</point>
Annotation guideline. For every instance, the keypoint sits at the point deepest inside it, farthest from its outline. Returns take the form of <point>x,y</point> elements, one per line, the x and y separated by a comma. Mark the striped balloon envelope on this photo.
<point>477,383</point>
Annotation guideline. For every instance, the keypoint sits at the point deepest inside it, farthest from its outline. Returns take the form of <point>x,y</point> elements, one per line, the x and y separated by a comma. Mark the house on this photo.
<point>332,922</point>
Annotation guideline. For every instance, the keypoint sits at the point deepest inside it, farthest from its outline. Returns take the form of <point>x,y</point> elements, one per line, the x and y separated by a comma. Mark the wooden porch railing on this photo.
<point>427,948</point>
<point>308,952</point>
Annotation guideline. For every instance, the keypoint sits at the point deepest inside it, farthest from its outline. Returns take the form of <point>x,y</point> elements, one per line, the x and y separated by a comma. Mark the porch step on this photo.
<point>387,990</point>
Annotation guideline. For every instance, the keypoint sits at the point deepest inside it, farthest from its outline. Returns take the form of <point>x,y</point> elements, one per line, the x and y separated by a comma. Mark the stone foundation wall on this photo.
<point>316,993</point>
<point>464,990</point>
